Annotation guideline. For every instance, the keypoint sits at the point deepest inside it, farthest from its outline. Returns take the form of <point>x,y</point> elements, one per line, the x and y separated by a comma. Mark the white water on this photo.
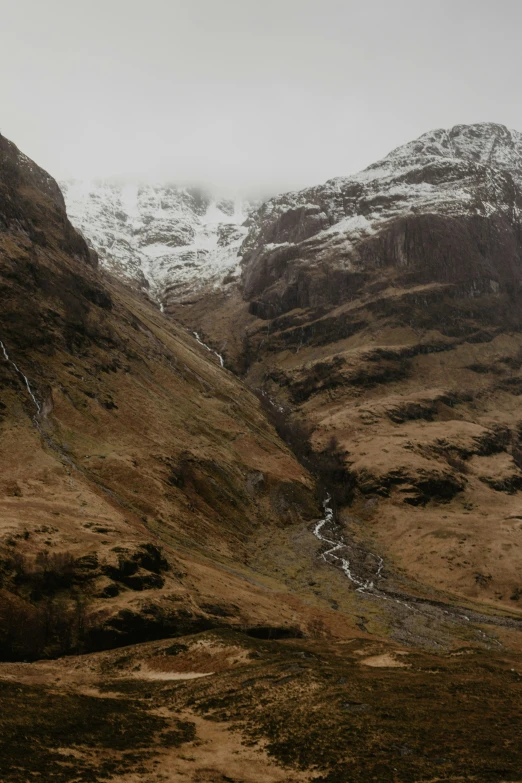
<point>362,585</point>
<point>221,360</point>
<point>20,373</point>
<point>367,586</point>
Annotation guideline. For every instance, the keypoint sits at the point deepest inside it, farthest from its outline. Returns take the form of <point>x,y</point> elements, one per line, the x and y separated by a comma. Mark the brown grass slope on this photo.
<point>218,707</point>
<point>146,466</point>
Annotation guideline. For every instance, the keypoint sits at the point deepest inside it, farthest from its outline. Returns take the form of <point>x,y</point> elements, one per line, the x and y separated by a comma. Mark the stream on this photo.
<point>24,377</point>
<point>365,570</point>
<point>362,584</point>
<point>221,360</point>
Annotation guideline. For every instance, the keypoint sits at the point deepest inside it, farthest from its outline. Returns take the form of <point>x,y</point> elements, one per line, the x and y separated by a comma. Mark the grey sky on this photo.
<point>248,93</point>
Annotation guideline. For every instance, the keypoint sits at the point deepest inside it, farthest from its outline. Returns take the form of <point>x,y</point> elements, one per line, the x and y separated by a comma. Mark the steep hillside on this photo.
<point>125,449</point>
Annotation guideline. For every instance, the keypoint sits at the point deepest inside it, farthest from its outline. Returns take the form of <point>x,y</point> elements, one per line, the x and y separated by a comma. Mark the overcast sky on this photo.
<point>269,94</point>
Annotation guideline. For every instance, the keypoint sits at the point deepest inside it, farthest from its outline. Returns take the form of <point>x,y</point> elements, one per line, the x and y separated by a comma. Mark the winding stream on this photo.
<point>365,570</point>
<point>362,584</point>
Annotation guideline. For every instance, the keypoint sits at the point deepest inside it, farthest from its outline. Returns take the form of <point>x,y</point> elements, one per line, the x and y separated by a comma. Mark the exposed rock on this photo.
<point>152,621</point>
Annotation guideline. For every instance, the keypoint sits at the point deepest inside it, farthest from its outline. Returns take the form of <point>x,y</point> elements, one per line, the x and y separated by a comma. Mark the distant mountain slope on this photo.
<point>170,240</point>
<point>351,224</point>
<point>178,241</point>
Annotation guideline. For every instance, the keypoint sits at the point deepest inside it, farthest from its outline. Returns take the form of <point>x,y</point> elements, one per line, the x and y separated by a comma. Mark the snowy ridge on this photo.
<point>178,241</point>
<point>467,170</point>
<point>161,236</point>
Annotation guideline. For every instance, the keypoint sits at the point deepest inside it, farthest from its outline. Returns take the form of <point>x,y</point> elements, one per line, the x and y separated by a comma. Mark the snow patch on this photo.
<point>163,236</point>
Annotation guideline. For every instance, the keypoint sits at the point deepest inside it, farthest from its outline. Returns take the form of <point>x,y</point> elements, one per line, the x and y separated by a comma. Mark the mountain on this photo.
<point>460,188</point>
<point>176,240</point>
<point>384,310</point>
<point>201,583</point>
<point>170,240</point>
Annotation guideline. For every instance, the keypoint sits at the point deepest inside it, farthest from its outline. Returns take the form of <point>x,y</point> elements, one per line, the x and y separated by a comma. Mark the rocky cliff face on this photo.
<point>33,204</point>
<point>170,240</point>
<point>444,208</point>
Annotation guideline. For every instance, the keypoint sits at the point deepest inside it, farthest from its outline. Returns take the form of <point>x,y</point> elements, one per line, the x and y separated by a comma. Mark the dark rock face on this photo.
<point>138,570</point>
<point>31,203</point>
<point>444,209</point>
<point>152,622</point>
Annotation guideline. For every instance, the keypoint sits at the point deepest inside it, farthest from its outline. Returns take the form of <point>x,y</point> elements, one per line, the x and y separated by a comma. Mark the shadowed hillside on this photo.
<point>124,447</point>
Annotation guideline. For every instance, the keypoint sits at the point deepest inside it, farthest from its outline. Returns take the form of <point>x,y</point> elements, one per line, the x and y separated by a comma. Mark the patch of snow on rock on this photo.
<point>164,237</point>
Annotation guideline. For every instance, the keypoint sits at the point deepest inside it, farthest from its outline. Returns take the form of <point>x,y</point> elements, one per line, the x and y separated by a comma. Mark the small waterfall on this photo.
<point>221,360</point>
<point>24,377</point>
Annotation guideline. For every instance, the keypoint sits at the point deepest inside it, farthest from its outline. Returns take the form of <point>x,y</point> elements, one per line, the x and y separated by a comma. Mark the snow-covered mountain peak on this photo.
<point>160,235</point>
<point>485,143</point>
<point>468,169</point>
<point>177,241</point>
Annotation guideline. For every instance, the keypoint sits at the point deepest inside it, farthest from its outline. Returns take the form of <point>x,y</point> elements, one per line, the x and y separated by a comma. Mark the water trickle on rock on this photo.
<point>24,377</point>
<point>221,360</point>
